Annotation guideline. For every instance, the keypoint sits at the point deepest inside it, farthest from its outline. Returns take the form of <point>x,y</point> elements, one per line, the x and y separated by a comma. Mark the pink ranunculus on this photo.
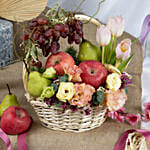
<point>74,73</point>
<point>123,49</point>
<point>147,107</point>
<point>83,94</point>
<point>146,116</point>
<point>133,119</point>
<point>117,115</point>
<point>116,25</point>
<point>115,100</point>
<point>103,35</point>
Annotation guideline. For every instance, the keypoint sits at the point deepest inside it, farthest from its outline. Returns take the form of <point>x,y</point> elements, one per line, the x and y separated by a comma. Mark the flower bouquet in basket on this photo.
<point>75,90</point>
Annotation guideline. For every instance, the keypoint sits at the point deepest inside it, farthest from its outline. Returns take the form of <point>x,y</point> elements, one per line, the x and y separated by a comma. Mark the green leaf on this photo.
<point>98,97</point>
<point>58,104</point>
<point>113,58</point>
<point>126,90</point>
<point>34,69</point>
<point>71,51</point>
<point>41,70</point>
<point>123,65</point>
<point>33,50</point>
<point>63,78</point>
<point>55,86</point>
<point>39,52</point>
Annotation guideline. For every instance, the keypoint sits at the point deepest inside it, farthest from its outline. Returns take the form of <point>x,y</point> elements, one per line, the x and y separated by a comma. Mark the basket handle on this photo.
<point>87,18</point>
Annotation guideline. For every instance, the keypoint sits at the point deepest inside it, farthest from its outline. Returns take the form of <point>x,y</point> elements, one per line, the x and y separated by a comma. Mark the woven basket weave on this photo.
<point>52,117</point>
<point>136,141</point>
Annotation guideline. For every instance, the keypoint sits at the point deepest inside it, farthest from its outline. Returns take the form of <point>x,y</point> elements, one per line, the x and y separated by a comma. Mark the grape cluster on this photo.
<point>47,36</point>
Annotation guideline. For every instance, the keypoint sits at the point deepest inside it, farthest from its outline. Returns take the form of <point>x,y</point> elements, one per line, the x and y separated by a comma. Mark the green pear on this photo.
<point>8,101</point>
<point>37,83</point>
<point>88,51</point>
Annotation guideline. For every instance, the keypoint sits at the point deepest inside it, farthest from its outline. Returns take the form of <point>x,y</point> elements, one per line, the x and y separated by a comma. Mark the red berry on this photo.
<point>70,39</point>
<point>42,21</point>
<point>54,47</point>
<point>76,38</point>
<point>64,35</point>
<point>26,36</point>
<point>36,35</point>
<point>49,33</point>
<point>58,27</point>
<point>66,29</point>
<point>56,35</point>
<point>39,64</point>
<point>33,24</point>
<point>41,39</point>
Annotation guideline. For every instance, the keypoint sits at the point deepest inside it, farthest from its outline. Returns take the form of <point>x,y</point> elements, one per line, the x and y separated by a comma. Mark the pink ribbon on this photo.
<point>21,140</point>
<point>5,138</point>
<point>122,141</point>
<point>22,145</point>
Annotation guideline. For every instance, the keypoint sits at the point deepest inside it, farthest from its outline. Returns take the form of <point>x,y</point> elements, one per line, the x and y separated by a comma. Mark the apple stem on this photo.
<point>9,89</point>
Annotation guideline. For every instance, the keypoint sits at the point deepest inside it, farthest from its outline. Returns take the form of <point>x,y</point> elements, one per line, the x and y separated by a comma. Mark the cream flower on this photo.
<point>114,100</point>
<point>66,91</point>
<point>113,81</point>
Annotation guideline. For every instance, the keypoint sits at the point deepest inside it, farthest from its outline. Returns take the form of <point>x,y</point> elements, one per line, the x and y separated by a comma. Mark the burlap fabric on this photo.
<point>102,138</point>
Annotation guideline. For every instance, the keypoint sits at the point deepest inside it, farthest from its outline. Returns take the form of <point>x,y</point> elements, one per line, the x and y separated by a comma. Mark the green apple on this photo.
<point>88,51</point>
<point>37,83</point>
<point>8,101</point>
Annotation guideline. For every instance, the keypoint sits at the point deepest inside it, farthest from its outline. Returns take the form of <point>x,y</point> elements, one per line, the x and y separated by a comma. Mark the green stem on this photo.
<point>113,48</point>
<point>103,54</point>
<point>98,9</point>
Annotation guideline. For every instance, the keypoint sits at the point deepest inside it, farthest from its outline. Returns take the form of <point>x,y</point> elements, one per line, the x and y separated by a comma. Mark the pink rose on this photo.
<point>103,35</point>
<point>123,49</point>
<point>133,119</point>
<point>74,73</point>
<point>116,25</point>
<point>115,100</point>
<point>83,94</point>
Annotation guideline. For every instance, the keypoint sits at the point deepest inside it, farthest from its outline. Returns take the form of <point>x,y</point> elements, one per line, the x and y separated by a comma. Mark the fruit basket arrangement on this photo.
<point>81,82</point>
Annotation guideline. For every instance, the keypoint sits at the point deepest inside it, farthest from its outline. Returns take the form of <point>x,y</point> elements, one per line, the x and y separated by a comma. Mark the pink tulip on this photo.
<point>133,119</point>
<point>116,25</point>
<point>123,49</point>
<point>103,35</point>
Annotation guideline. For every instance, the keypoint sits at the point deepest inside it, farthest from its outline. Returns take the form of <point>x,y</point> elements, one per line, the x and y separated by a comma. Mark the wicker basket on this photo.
<point>52,117</point>
<point>136,141</point>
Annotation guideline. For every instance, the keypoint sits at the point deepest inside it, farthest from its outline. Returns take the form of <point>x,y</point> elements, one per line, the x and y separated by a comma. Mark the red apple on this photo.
<point>59,61</point>
<point>15,120</point>
<point>94,73</point>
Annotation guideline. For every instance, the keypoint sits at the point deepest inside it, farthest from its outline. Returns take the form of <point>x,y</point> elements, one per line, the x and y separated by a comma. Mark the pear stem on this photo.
<point>9,89</point>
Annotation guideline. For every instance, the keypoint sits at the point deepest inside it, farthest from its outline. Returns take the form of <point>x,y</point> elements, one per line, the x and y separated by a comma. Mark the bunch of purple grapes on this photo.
<point>47,36</point>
